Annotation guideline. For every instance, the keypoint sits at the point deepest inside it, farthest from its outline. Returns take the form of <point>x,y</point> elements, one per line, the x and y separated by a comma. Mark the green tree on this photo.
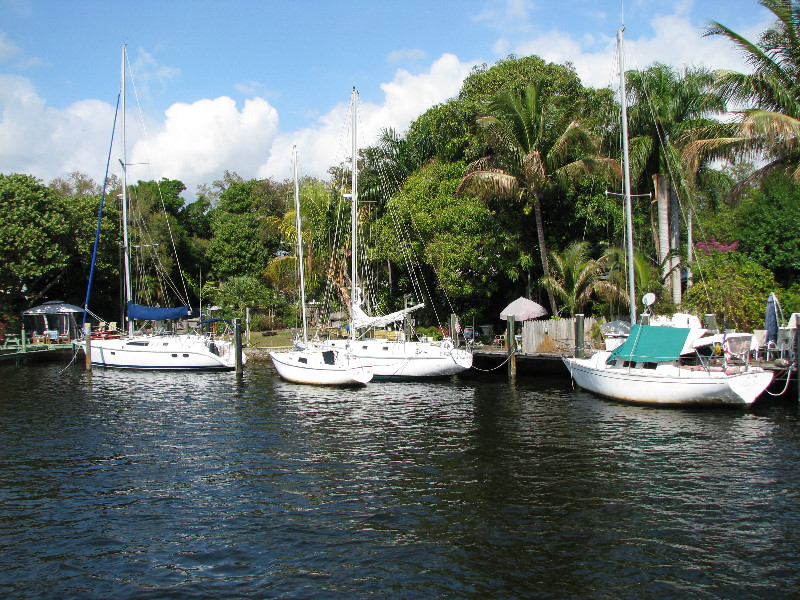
<point>239,292</point>
<point>575,277</point>
<point>768,228</point>
<point>36,240</point>
<point>669,108</point>
<point>770,128</point>
<point>452,250</point>
<point>534,143</point>
<point>729,284</point>
<point>244,226</point>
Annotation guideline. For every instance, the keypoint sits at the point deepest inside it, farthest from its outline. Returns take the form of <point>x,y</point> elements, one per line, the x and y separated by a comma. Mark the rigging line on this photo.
<point>418,281</point>
<point>333,289</point>
<point>161,272</point>
<point>100,215</point>
<point>669,163</point>
<point>614,76</point>
<point>158,185</point>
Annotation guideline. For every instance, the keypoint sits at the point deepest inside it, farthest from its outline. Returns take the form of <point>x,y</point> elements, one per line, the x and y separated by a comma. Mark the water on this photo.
<point>147,485</point>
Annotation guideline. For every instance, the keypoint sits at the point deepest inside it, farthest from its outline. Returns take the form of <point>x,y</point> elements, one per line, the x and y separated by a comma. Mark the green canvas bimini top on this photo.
<point>649,343</point>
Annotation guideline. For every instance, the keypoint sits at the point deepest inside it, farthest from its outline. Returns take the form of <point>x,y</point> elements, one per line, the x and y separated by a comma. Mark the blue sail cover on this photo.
<point>150,313</point>
<point>648,343</point>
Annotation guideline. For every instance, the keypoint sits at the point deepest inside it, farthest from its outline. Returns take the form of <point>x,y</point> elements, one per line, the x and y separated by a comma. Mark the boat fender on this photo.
<point>447,346</point>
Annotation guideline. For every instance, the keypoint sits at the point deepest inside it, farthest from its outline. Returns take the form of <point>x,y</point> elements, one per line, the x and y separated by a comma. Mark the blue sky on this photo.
<point>234,84</point>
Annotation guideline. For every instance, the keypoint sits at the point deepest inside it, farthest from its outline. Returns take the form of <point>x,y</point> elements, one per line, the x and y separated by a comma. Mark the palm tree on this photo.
<point>533,144</point>
<point>770,129</point>
<point>575,276</point>
<point>670,108</point>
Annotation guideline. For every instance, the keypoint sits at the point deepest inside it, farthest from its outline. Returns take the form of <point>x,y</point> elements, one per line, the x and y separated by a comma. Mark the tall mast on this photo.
<point>354,215</point>
<point>627,171</point>
<point>300,247</point>
<point>125,245</point>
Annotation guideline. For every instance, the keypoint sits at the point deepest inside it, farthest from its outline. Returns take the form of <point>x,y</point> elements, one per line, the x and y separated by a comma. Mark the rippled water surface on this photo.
<point>148,485</point>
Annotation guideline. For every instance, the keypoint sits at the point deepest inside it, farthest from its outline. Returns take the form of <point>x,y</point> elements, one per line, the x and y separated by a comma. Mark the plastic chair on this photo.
<point>758,343</point>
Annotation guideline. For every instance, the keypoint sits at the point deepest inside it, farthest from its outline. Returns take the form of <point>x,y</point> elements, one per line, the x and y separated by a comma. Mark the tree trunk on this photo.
<point>537,211</point>
<point>675,244</point>
<point>662,198</point>
<point>690,250</point>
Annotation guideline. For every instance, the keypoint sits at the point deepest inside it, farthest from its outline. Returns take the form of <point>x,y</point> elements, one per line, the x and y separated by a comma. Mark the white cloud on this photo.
<point>51,143</point>
<point>198,141</point>
<point>677,42</point>
<point>7,47</point>
<point>406,97</point>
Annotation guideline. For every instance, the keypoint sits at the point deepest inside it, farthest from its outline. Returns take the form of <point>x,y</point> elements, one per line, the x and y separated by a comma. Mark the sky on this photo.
<point>234,84</point>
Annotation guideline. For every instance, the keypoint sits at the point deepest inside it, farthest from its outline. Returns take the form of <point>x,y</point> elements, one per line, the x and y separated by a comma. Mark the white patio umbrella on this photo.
<point>523,309</point>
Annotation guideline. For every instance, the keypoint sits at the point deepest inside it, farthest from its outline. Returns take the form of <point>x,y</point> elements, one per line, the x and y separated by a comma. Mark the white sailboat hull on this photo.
<point>399,360</point>
<point>669,383</point>
<point>319,367</point>
<point>167,352</point>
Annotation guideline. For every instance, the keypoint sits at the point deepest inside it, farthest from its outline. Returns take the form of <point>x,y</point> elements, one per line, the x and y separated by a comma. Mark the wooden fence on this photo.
<point>541,337</point>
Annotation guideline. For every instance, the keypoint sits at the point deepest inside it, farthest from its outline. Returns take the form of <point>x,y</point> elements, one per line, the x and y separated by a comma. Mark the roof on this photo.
<point>650,343</point>
<point>54,307</point>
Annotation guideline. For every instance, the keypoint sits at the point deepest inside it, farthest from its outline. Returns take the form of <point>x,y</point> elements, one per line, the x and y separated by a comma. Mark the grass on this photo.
<point>276,339</point>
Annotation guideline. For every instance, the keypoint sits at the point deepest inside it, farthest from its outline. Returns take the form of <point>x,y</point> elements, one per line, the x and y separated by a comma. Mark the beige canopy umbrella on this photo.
<point>523,309</point>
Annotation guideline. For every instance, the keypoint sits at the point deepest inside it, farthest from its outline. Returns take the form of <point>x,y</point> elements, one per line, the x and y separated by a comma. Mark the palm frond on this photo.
<point>486,184</point>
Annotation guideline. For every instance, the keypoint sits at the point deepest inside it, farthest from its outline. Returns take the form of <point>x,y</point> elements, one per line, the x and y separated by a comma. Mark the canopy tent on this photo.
<point>523,309</point>
<point>54,307</point>
<point>53,316</point>
<point>650,343</point>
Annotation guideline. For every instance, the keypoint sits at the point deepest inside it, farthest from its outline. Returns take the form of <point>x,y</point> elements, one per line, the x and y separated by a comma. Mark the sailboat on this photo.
<point>668,365</point>
<point>310,362</point>
<point>131,350</point>
<point>390,359</point>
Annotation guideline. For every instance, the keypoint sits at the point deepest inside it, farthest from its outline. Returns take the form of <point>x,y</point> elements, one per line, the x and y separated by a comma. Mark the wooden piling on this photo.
<point>237,336</point>
<point>579,335</point>
<point>511,345</point>
<point>87,349</point>
<point>797,362</point>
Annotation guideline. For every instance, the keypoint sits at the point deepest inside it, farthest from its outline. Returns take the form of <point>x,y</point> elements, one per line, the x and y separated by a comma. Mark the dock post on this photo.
<point>87,349</point>
<point>579,336</point>
<point>797,361</point>
<point>237,336</point>
<point>23,339</point>
<point>511,345</point>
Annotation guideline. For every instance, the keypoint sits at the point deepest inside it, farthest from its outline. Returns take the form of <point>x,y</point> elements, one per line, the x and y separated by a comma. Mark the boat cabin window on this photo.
<point>137,344</point>
<point>328,357</point>
<point>649,365</point>
<point>302,359</point>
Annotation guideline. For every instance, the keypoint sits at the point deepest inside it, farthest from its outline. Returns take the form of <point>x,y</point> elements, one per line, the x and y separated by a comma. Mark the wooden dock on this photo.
<point>17,354</point>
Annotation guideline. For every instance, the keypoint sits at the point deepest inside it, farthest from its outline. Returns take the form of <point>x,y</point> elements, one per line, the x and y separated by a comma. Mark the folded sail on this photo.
<point>151,313</point>
<point>362,320</point>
